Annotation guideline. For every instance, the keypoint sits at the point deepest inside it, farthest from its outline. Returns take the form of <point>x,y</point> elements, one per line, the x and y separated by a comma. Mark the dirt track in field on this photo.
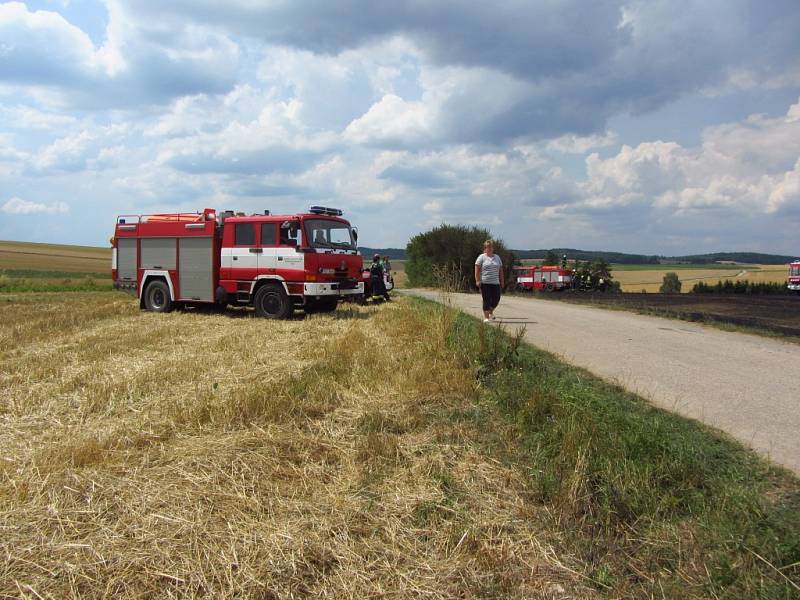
<point>744,384</point>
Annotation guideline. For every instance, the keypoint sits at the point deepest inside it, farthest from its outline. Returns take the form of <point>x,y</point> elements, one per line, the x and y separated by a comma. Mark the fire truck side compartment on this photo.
<point>196,269</point>
<point>126,259</point>
<point>158,253</point>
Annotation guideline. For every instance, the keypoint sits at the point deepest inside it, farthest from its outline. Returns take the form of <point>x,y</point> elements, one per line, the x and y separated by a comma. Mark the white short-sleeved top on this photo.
<point>490,268</point>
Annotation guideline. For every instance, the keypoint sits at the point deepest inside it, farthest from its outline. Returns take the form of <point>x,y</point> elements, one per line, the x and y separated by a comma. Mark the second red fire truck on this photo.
<point>543,278</point>
<point>794,276</point>
<point>275,263</point>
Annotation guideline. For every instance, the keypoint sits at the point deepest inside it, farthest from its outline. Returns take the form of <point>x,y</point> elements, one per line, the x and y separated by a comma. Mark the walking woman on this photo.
<point>489,279</point>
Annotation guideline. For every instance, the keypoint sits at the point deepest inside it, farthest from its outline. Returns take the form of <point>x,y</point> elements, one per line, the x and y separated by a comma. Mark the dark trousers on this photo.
<point>490,292</point>
<point>378,286</point>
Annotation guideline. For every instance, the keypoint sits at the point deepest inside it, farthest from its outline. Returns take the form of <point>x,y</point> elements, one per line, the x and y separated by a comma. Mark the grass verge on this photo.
<point>657,505</point>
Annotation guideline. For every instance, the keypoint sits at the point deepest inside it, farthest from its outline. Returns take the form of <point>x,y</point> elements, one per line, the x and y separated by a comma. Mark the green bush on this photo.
<point>597,275</point>
<point>451,250</point>
<point>670,284</point>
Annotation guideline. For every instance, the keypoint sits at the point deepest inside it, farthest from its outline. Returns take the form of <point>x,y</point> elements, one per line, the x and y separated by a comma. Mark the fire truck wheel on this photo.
<point>156,297</point>
<point>272,302</point>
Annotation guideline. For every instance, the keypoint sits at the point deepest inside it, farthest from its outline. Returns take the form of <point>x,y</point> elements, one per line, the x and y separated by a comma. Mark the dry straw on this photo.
<point>206,455</point>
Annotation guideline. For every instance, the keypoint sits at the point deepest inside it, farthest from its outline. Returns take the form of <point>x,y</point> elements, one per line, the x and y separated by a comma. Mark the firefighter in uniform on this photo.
<point>376,280</point>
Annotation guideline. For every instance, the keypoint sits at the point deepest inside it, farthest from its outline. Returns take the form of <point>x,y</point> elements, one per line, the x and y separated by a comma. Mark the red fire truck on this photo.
<point>794,276</point>
<point>542,278</point>
<point>274,263</point>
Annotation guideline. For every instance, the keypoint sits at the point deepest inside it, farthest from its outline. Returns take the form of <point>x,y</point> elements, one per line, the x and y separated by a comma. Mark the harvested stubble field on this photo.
<point>650,279</point>
<point>397,451</point>
<point>217,455</point>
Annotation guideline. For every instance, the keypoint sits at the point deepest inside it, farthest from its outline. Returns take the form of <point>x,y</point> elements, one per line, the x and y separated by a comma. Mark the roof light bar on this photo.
<point>324,210</point>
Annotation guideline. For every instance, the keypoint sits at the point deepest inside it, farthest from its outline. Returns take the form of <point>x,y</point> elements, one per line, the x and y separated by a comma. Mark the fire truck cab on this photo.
<point>542,278</point>
<point>794,276</point>
<point>273,262</point>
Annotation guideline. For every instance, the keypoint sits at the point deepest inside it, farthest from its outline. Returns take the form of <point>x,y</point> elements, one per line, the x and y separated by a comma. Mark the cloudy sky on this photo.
<point>653,126</point>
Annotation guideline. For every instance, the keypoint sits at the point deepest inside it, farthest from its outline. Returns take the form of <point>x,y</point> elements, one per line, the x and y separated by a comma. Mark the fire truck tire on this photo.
<point>271,302</point>
<point>156,297</point>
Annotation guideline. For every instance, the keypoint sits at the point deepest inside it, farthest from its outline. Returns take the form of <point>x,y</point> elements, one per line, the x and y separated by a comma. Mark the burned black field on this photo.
<point>778,314</point>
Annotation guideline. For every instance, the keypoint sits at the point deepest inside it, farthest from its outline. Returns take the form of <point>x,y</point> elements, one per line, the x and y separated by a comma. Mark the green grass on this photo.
<point>36,274</point>
<point>8,285</point>
<point>657,505</point>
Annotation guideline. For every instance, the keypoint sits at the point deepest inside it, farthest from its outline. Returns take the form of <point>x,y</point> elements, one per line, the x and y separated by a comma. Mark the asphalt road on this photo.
<point>746,385</point>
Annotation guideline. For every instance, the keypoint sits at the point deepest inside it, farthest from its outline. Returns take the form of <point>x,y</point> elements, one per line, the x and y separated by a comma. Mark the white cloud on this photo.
<point>751,166</point>
<point>409,116</point>
<point>42,45</point>
<point>18,206</point>
<point>68,153</point>
<point>786,192</point>
<point>392,121</point>
<point>27,117</point>
<point>140,62</point>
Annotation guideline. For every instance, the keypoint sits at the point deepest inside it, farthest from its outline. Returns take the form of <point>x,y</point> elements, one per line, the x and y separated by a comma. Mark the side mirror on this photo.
<point>355,234</point>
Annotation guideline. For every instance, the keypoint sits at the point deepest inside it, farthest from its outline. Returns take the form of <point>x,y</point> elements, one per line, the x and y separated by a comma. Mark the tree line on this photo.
<point>620,258</point>
<point>445,257</point>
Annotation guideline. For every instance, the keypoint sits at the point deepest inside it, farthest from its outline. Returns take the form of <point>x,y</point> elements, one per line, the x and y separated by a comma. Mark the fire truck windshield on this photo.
<point>323,233</point>
<point>794,271</point>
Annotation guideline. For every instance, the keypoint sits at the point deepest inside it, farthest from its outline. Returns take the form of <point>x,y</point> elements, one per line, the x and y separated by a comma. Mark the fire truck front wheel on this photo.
<point>272,302</point>
<point>156,297</point>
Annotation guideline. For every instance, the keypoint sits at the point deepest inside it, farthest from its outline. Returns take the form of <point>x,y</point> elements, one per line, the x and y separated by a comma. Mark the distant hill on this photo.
<point>573,253</point>
<point>641,259</point>
<point>623,258</point>
<point>739,257</point>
